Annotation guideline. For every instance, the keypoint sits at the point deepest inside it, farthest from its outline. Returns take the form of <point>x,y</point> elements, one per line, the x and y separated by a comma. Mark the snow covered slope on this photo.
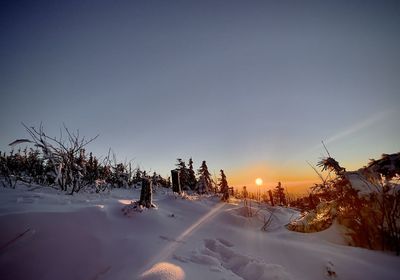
<point>49,235</point>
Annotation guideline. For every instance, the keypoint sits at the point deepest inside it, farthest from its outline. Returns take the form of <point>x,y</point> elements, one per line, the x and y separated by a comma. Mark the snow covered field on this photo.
<point>45,234</point>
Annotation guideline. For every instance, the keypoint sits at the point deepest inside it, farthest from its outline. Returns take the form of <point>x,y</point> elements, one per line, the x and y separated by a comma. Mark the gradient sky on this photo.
<point>250,86</point>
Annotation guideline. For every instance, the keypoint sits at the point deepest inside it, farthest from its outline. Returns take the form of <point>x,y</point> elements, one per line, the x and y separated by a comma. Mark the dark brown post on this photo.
<point>176,183</point>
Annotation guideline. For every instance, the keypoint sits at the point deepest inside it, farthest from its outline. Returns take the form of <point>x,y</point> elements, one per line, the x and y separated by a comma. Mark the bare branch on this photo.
<point>19,141</point>
<point>329,155</point>
<point>316,171</point>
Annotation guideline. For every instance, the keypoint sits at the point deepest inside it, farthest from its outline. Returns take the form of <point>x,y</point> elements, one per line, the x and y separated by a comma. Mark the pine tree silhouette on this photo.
<point>204,184</point>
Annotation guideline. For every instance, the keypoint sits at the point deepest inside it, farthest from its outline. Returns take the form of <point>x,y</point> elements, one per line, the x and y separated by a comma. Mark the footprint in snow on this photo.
<point>170,239</point>
<point>219,254</point>
<point>330,273</point>
<point>225,242</point>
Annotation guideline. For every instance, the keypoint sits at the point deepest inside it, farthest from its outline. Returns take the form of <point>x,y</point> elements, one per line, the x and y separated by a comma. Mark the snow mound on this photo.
<point>247,211</point>
<point>130,209</point>
<point>220,256</point>
<point>163,271</point>
<point>67,237</point>
<point>361,183</point>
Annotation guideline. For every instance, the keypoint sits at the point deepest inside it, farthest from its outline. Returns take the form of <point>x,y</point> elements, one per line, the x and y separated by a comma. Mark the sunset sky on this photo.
<point>252,87</point>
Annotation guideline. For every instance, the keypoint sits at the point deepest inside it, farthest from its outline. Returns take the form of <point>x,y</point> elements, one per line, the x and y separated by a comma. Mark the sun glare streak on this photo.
<point>170,248</point>
<point>374,119</point>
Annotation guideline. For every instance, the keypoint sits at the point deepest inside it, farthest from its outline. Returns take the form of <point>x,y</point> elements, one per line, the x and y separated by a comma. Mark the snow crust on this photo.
<point>47,235</point>
<point>360,183</point>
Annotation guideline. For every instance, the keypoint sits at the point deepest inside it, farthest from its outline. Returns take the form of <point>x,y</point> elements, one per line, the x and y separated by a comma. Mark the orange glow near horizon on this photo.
<point>295,179</point>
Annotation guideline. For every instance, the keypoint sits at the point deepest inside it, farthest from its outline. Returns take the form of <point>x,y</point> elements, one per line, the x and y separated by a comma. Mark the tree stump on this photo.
<point>146,199</point>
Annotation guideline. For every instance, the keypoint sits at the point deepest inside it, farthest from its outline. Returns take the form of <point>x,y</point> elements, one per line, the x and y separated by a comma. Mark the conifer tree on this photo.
<point>279,194</point>
<point>191,176</point>
<point>204,184</point>
<point>183,174</point>
<point>223,185</point>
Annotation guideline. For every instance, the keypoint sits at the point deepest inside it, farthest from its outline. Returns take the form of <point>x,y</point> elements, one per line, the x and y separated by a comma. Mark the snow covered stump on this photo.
<point>145,201</point>
<point>146,194</point>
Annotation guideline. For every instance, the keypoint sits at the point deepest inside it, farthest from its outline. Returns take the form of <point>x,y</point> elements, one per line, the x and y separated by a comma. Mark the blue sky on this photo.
<point>236,83</point>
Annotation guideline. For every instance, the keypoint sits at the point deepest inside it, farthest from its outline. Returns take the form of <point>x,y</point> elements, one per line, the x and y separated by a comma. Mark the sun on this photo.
<point>259,181</point>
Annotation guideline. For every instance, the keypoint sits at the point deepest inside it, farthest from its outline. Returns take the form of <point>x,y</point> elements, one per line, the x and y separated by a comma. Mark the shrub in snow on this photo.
<point>64,159</point>
<point>63,162</point>
<point>316,220</point>
<point>25,166</point>
<point>366,202</point>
